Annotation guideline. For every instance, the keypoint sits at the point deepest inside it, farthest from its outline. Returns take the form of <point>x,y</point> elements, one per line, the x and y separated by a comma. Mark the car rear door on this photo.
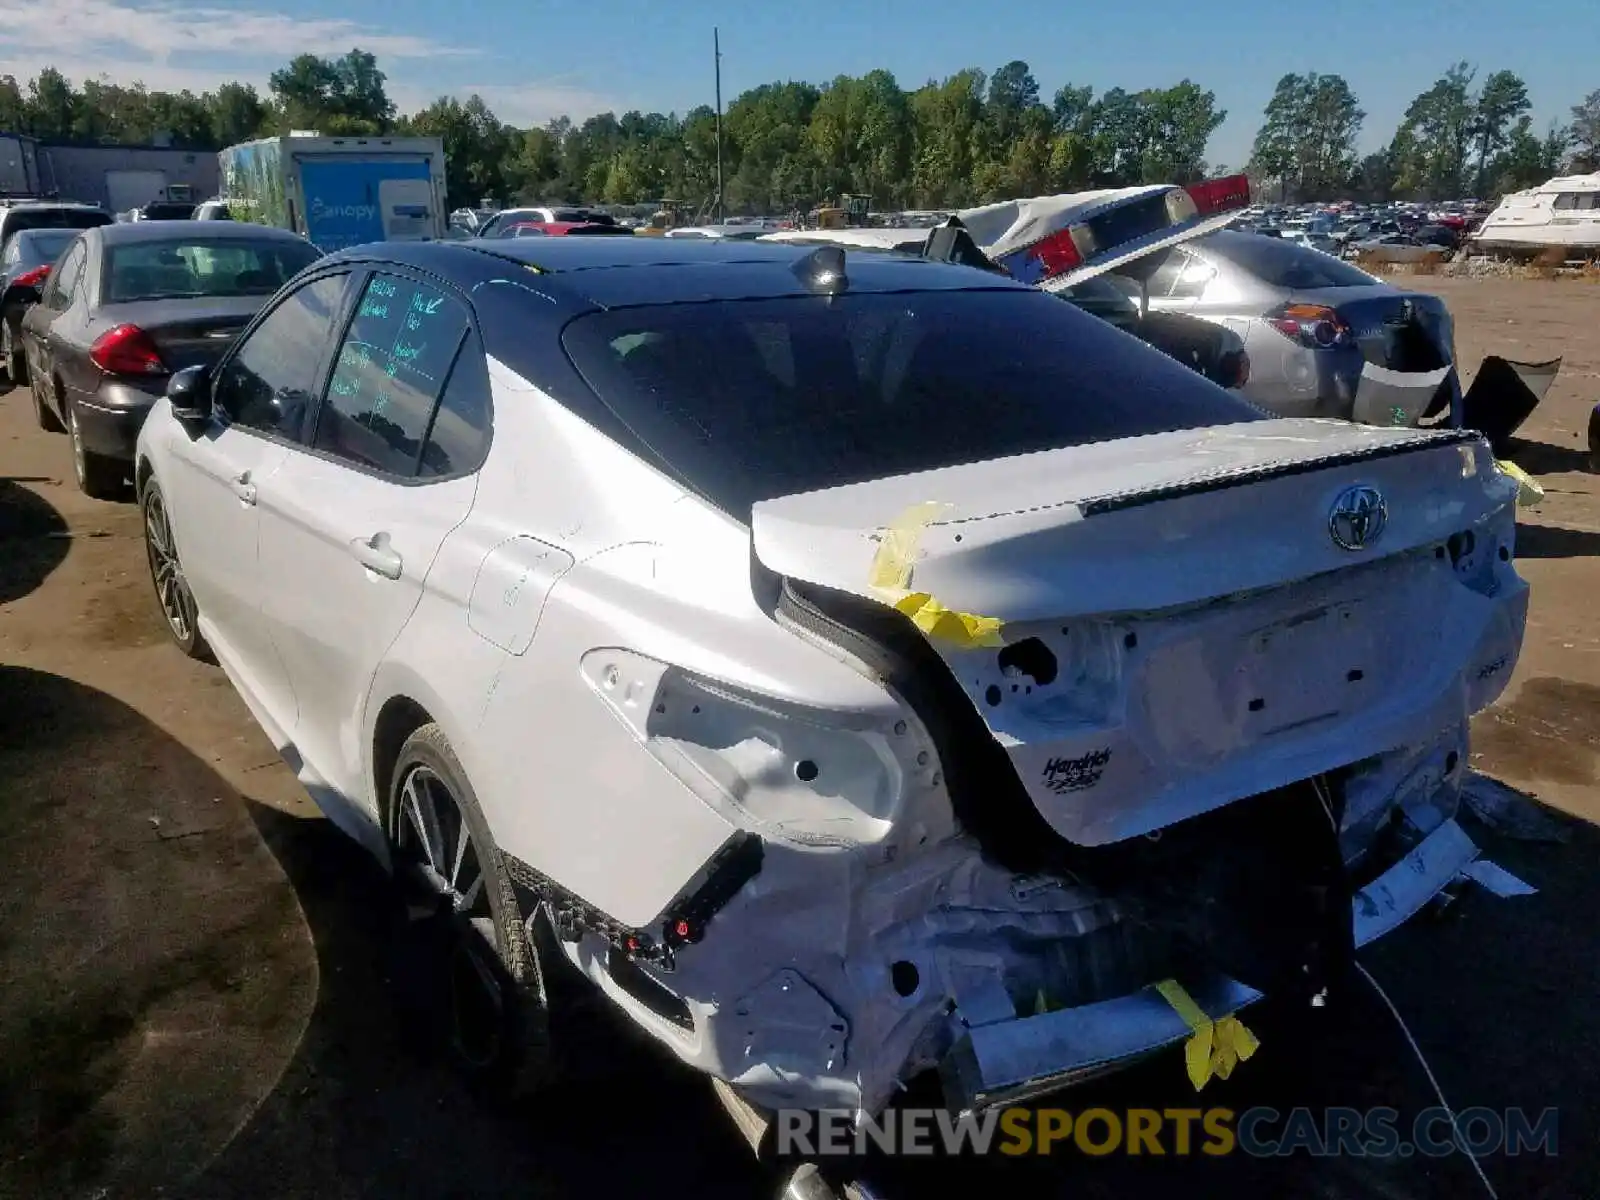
<point>350,524</point>
<point>263,392</point>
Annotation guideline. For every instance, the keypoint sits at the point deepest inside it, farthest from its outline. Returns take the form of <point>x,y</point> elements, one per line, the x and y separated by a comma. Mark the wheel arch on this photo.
<point>398,718</point>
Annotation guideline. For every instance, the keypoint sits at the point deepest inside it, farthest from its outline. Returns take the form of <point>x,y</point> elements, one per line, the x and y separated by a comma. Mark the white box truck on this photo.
<point>339,191</point>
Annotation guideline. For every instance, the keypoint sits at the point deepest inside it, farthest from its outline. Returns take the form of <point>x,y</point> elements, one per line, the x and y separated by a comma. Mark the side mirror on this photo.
<point>189,394</point>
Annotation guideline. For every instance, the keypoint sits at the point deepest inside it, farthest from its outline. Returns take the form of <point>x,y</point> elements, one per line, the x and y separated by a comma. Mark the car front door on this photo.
<point>263,394</point>
<point>39,322</point>
<point>350,526</point>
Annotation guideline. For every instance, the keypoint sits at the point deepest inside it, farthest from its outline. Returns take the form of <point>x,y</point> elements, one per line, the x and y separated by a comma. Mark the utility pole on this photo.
<point>716,46</point>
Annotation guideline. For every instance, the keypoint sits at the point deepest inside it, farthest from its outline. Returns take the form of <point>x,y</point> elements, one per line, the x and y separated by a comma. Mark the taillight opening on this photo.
<point>126,350</point>
<point>1313,325</point>
<point>32,278</point>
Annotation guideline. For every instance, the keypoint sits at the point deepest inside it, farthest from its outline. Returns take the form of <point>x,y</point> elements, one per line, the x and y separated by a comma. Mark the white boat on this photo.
<point>1561,214</point>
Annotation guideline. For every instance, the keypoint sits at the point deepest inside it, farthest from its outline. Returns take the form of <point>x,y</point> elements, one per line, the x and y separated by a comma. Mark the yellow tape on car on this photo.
<point>890,577</point>
<point>1528,491</point>
<point>1217,1046</point>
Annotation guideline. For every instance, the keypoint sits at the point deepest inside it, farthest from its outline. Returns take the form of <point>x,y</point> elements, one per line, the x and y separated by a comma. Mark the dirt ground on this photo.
<point>192,967</point>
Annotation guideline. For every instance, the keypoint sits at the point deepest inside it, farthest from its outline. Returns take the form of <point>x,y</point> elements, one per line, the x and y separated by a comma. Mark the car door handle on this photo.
<point>377,555</point>
<point>243,488</point>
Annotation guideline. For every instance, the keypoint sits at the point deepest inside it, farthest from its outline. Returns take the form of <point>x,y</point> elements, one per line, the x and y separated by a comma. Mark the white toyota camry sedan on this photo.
<point>856,666</point>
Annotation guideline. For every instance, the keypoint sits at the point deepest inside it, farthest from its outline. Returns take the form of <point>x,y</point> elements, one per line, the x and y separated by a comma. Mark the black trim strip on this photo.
<point>1099,505</point>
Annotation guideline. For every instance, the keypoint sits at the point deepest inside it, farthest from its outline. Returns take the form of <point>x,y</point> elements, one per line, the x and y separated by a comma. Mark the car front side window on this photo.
<point>270,383</point>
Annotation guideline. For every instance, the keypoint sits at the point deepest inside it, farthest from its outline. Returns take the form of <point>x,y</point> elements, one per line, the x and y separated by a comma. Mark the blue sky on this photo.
<point>532,59</point>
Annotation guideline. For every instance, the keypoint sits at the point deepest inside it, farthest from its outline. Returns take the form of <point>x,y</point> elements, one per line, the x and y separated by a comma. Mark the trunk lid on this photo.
<point>1400,331</point>
<point>189,331</point>
<point>1179,624</point>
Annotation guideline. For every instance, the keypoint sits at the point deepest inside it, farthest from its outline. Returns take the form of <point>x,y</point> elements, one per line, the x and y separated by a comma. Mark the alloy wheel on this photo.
<point>172,589</point>
<point>443,879</point>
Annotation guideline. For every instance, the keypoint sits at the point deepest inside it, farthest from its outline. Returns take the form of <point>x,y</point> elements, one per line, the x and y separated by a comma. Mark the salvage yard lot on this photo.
<point>191,962</point>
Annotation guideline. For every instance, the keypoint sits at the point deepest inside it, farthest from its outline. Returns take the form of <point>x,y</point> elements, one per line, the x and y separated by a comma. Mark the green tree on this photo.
<point>238,113</point>
<point>1586,133</point>
<point>476,147</point>
<point>1501,101</point>
<point>1435,137</point>
<point>52,106</point>
<point>1307,139</point>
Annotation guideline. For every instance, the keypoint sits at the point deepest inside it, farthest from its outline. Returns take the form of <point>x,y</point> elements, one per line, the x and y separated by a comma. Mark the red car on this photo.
<point>563,229</point>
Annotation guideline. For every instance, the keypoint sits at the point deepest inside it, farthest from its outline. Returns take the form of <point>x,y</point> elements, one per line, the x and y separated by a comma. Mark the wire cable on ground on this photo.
<point>1438,1091</point>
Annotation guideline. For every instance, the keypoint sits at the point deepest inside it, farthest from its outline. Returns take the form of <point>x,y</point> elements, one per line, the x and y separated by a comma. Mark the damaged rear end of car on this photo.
<point>1231,762</point>
<point>976,678</point>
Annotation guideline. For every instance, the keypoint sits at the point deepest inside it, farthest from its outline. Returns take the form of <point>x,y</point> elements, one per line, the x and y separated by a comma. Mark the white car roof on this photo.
<point>879,238</point>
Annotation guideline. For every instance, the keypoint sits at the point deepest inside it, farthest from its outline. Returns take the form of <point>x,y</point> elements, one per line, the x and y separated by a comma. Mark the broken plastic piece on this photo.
<point>1528,491</point>
<point>1494,878</point>
<point>937,621</point>
<point>1217,1046</point>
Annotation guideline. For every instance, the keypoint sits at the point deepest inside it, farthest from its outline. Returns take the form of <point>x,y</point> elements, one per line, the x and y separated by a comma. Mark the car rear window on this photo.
<point>54,218</point>
<point>168,212</point>
<point>747,400</point>
<point>202,267</point>
<point>46,245</point>
<point>1281,263</point>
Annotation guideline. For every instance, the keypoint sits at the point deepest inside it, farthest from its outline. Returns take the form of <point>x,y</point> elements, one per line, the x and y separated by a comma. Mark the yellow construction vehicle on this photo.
<point>850,213</point>
<point>670,215</point>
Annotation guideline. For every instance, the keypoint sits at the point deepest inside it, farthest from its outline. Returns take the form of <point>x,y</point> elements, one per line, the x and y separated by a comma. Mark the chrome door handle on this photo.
<point>375,554</point>
<point>243,488</point>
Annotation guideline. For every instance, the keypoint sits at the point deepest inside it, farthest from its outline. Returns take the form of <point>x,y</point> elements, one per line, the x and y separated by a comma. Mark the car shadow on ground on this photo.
<point>1555,541</point>
<point>362,1103</point>
<point>152,956</point>
<point>33,536</point>
<point>1545,458</point>
<point>366,1102</point>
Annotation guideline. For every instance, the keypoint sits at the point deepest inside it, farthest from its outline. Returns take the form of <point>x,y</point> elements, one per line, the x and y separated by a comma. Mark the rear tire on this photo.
<point>42,412</point>
<point>468,972</point>
<point>11,358</point>
<point>99,477</point>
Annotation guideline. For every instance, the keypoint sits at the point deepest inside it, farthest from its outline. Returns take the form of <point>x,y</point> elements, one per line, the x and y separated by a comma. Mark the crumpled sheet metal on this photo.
<point>1394,398</point>
<point>1010,1061</point>
<point>1504,394</point>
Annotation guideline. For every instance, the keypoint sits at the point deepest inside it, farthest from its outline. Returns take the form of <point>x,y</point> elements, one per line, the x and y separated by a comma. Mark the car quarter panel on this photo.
<point>558,745</point>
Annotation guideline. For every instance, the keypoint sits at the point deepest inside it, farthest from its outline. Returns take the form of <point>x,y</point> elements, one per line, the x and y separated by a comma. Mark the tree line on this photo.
<point>968,139</point>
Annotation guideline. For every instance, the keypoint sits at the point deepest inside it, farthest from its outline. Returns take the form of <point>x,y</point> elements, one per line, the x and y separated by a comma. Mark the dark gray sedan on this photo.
<point>128,305</point>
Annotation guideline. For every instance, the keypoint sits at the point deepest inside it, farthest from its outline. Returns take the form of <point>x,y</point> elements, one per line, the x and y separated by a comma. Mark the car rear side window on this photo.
<point>747,400</point>
<point>391,370</point>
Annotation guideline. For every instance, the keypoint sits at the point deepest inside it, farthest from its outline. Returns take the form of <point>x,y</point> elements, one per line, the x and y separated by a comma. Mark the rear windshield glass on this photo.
<point>748,400</point>
<point>168,212</point>
<point>55,218</point>
<point>45,245</point>
<point>1281,263</point>
<point>196,267</point>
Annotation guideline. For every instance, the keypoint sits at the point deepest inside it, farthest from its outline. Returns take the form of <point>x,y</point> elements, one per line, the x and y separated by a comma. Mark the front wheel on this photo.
<point>166,572</point>
<point>467,963</point>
